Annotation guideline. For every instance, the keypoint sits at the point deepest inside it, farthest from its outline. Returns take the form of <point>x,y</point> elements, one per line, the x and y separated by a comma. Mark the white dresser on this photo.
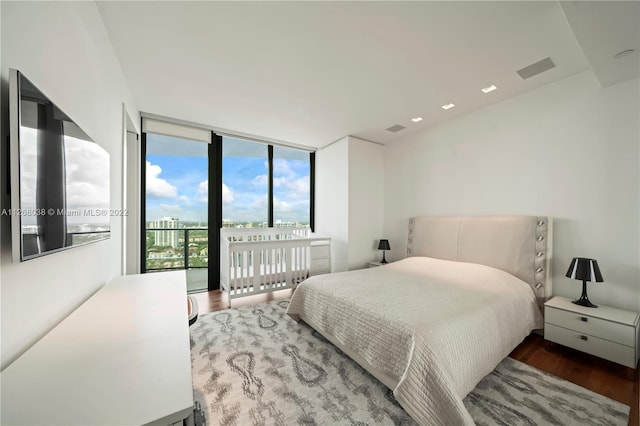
<point>606,332</point>
<point>320,255</point>
<point>121,358</point>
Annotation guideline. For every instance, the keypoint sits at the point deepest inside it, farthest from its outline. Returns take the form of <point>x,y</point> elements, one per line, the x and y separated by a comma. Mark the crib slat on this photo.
<point>243,271</point>
<point>256,279</point>
<point>264,278</point>
<point>281,264</point>
<point>295,265</point>
<point>287,264</point>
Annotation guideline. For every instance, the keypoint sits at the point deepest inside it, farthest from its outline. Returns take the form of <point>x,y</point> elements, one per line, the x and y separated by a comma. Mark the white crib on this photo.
<point>261,260</point>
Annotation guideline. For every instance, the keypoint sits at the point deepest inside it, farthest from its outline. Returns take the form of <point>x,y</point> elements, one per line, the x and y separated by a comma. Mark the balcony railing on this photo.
<point>176,248</point>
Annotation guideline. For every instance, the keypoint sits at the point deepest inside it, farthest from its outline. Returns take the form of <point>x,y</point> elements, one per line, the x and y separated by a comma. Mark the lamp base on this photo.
<point>583,301</point>
<point>383,259</point>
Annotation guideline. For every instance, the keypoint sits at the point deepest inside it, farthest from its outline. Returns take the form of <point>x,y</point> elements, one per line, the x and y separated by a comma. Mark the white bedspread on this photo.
<point>437,327</point>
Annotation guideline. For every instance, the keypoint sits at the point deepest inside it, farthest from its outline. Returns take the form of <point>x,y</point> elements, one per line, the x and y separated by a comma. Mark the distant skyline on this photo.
<point>177,186</point>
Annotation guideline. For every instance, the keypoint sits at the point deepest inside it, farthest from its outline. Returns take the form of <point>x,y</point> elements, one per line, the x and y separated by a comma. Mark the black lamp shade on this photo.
<point>384,245</point>
<point>584,269</point>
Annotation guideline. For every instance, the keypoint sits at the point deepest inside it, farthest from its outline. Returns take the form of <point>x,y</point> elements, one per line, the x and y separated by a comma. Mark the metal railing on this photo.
<point>176,250</point>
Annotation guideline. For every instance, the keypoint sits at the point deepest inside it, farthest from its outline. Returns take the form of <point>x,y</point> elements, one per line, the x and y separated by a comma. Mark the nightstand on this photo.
<point>374,264</point>
<point>605,332</point>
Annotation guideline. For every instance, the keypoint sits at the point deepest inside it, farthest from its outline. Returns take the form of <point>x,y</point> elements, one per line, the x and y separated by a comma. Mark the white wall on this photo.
<point>349,200</point>
<point>332,200</point>
<point>62,47</point>
<point>569,150</point>
<point>366,201</point>
<point>133,202</point>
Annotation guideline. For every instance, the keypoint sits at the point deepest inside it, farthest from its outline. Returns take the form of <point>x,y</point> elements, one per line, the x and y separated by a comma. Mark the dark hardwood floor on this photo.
<point>604,377</point>
<point>601,376</point>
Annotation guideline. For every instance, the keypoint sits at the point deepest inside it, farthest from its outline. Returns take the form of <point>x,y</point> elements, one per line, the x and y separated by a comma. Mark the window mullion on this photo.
<point>312,191</point>
<point>270,185</point>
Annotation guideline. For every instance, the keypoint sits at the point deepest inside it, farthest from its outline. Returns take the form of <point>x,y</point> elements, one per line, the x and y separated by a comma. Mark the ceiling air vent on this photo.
<point>537,68</point>
<point>396,128</point>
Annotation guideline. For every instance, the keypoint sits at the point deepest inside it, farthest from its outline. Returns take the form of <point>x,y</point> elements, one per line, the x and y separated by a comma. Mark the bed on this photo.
<point>432,325</point>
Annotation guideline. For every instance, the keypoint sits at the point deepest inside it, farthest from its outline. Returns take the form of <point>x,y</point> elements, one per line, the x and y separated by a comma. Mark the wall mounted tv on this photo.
<point>59,177</point>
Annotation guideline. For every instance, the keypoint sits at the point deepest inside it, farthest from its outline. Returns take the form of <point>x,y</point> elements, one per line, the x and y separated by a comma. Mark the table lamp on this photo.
<point>584,269</point>
<point>383,245</point>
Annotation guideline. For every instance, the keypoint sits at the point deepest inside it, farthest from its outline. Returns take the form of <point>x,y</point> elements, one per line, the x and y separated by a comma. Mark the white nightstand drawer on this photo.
<point>319,252</point>
<point>592,326</point>
<point>320,264</point>
<point>615,352</point>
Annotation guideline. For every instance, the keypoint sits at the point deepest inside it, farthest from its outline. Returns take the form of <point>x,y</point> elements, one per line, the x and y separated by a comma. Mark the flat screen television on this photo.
<point>59,177</point>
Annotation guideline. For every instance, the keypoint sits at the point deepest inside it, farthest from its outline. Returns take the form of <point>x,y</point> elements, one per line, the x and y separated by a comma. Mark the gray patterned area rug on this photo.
<point>254,365</point>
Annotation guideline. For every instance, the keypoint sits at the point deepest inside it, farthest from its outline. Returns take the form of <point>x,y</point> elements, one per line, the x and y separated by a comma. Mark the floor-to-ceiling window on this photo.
<point>291,187</point>
<point>265,185</point>
<point>176,207</point>
<point>245,183</point>
<point>198,183</point>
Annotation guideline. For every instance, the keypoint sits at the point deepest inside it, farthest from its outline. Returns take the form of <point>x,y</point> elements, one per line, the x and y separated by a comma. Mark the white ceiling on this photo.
<point>310,73</point>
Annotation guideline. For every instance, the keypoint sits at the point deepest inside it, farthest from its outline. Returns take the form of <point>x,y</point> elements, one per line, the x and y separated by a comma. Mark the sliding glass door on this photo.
<point>177,207</point>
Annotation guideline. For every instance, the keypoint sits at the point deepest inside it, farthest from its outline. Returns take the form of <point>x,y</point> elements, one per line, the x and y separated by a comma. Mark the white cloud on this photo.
<point>227,194</point>
<point>202,195</point>
<point>260,202</point>
<point>292,189</point>
<point>300,187</point>
<point>156,186</point>
<point>281,206</point>
<point>290,184</point>
<point>260,181</point>
<point>87,174</point>
<point>279,181</point>
<point>283,167</point>
<point>171,208</point>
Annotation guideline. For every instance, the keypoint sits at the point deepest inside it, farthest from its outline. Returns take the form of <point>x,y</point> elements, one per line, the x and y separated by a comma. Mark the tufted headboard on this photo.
<point>520,245</point>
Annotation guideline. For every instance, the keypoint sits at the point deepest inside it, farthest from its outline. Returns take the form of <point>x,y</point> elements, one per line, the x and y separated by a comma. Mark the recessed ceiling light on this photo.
<point>447,106</point>
<point>416,119</point>
<point>489,89</point>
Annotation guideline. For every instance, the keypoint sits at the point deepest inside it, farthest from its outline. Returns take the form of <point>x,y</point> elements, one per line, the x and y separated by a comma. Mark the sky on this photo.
<point>176,180</point>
